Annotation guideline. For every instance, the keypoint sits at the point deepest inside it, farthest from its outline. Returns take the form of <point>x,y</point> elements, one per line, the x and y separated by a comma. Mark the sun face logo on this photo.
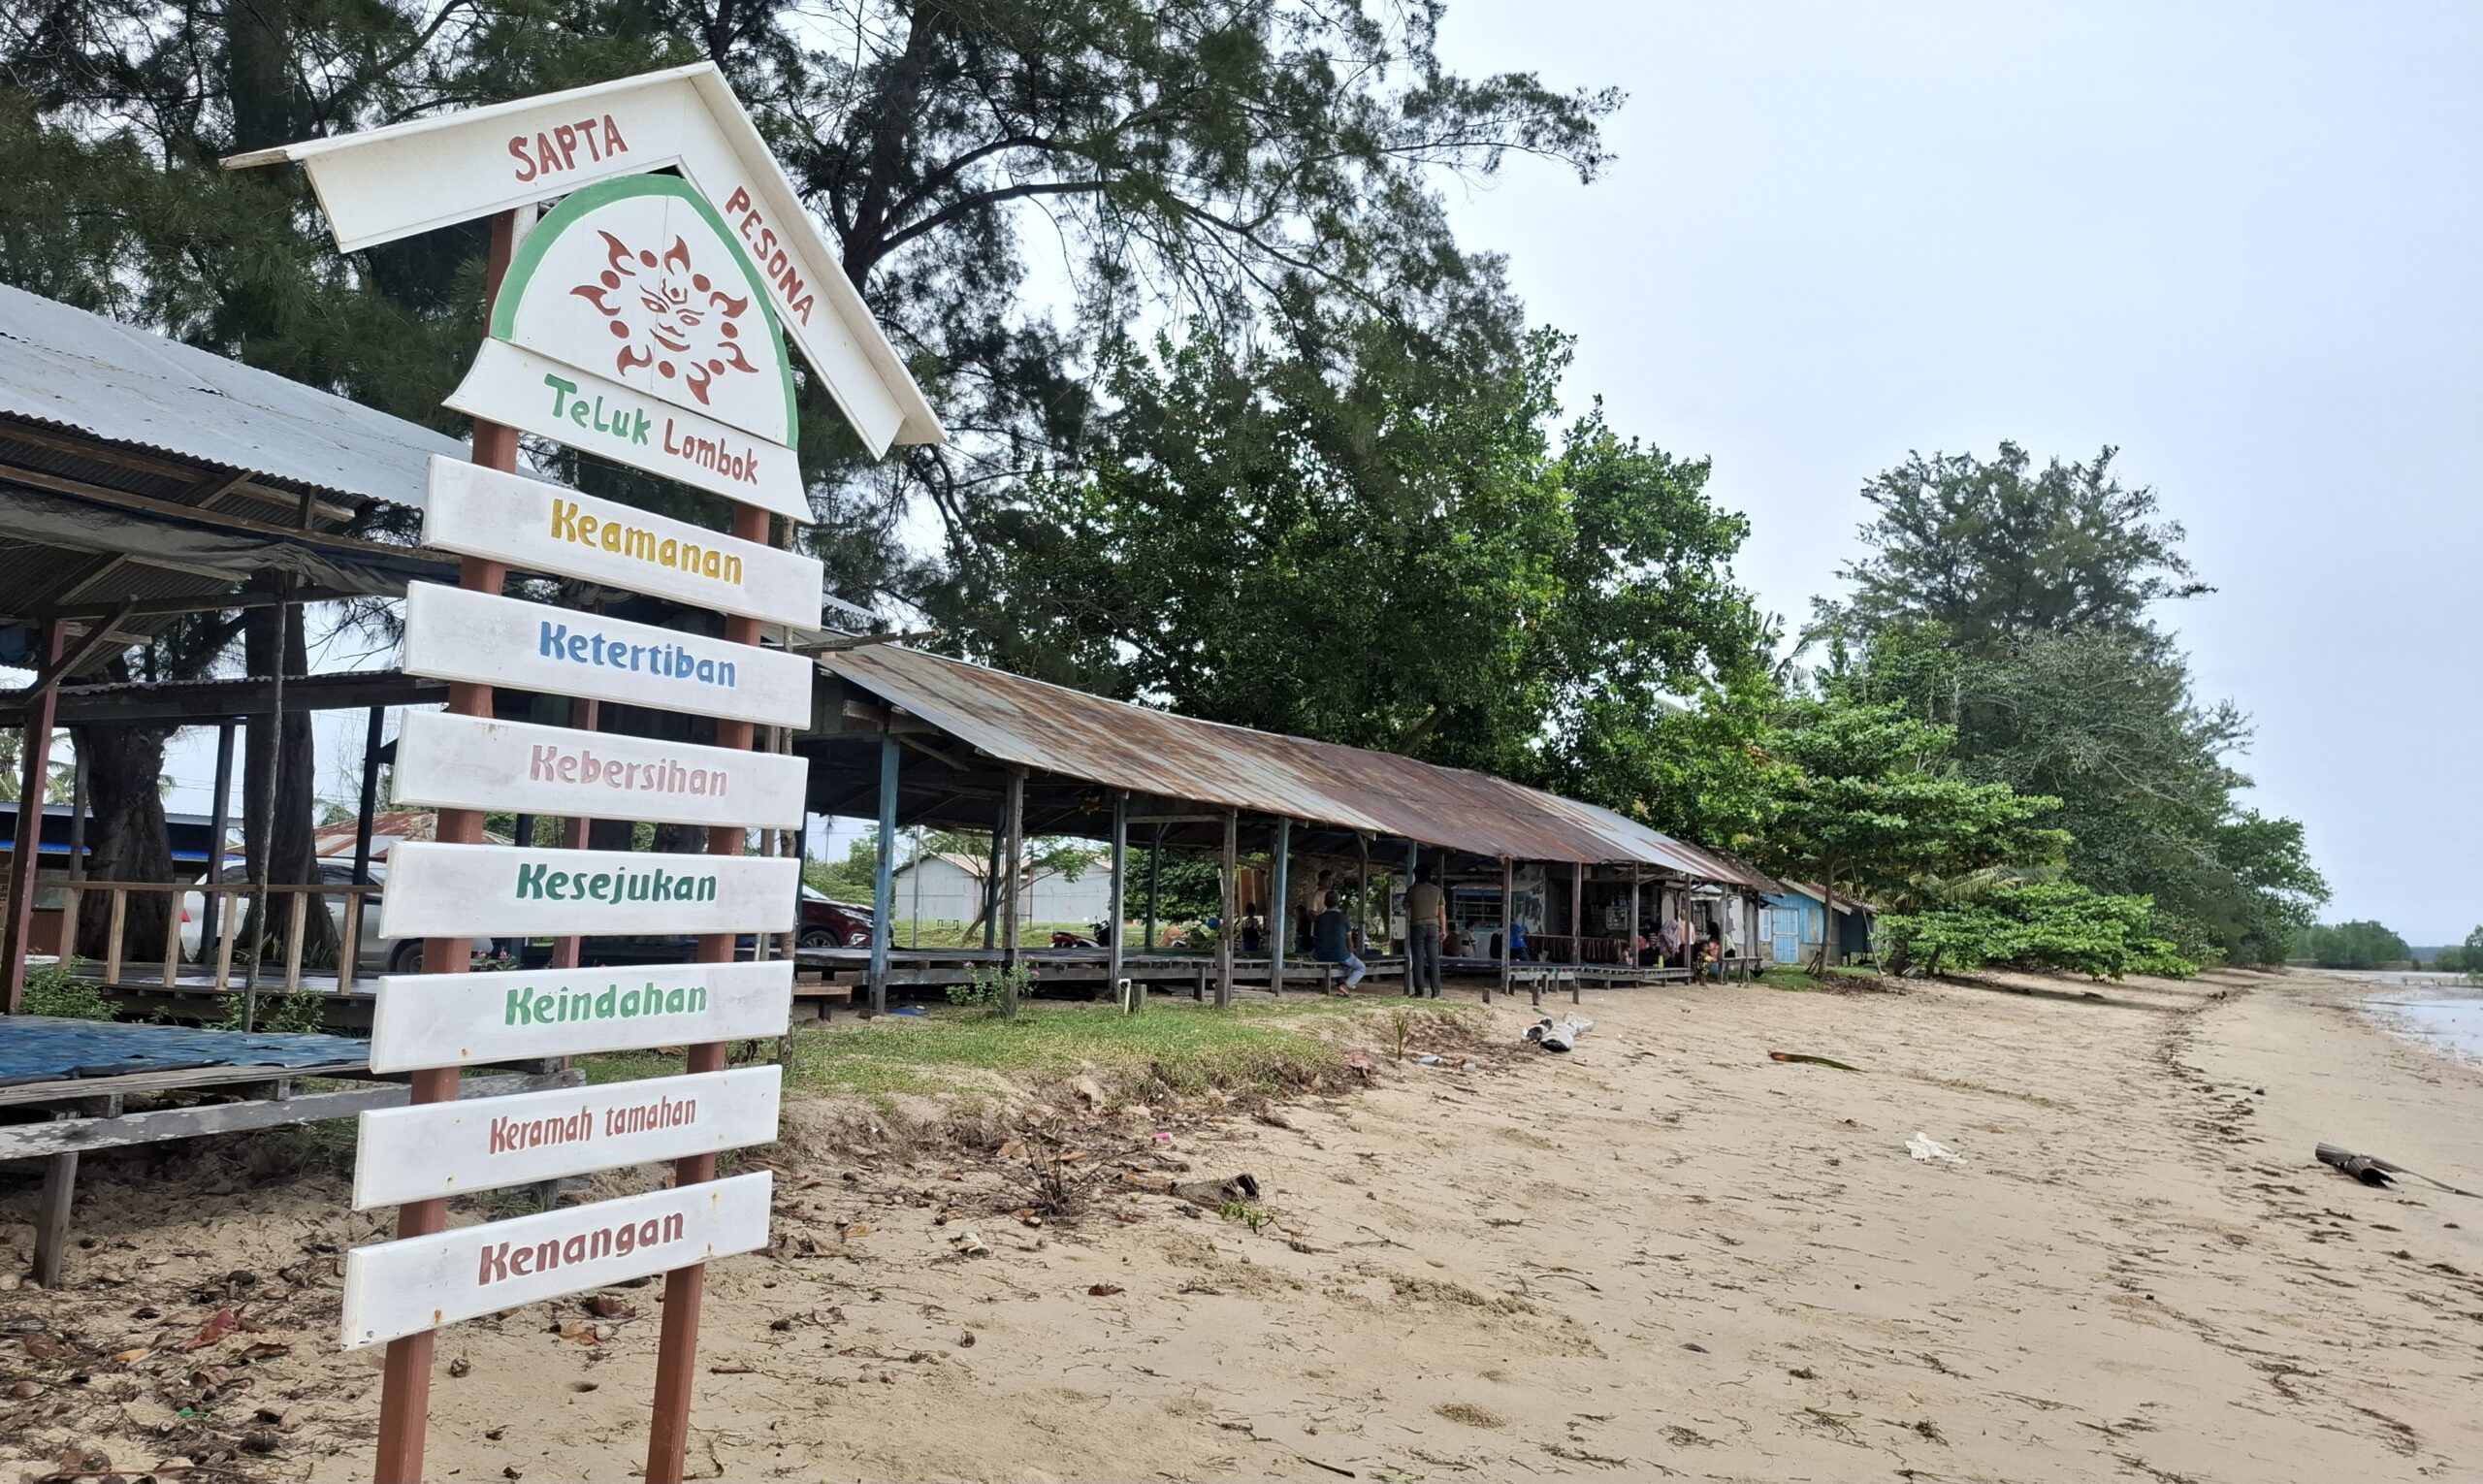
<point>667,314</point>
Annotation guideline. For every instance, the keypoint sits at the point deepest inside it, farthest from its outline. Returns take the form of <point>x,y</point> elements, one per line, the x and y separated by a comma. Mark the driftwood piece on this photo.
<point>2372,1170</point>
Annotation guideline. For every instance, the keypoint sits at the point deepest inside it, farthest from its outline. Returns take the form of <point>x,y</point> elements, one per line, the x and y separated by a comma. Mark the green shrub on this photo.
<point>2041,925</point>
<point>52,989</point>
<point>996,988</point>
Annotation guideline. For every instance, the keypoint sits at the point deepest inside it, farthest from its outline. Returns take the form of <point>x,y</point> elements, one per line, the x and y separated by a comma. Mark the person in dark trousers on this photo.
<point>1426,925</point>
<point>1332,941</point>
<point>1305,914</point>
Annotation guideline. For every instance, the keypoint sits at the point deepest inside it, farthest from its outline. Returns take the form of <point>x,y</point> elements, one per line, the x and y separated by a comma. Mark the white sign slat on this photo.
<point>436,1150</point>
<point>543,527</point>
<point>454,634</point>
<point>437,890</point>
<point>598,415</point>
<point>464,1019</point>
<point>451,762</point>
<point>415,1283</point>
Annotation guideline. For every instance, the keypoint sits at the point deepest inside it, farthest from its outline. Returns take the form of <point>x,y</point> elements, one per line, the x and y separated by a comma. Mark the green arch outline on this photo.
<point>589,197</point>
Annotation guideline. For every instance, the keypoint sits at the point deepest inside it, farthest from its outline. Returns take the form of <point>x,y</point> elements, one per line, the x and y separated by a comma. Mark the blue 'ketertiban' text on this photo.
<point>668,661</point>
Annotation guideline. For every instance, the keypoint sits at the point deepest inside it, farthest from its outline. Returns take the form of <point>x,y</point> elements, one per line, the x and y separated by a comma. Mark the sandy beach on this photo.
<point>1664,1255</point>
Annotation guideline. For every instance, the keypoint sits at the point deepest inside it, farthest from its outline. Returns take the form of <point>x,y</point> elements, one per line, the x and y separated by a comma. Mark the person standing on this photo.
<point>1332,941</point>
<point>1306,910</point>
<point>1426,927</point>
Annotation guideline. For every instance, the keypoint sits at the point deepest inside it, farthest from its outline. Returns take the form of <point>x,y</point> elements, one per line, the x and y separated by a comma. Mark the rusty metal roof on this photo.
<point>1077,735</point>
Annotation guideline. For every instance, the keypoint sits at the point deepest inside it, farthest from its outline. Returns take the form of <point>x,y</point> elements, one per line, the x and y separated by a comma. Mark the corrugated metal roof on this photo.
<point>1069,732</point>
<point>69,368</point>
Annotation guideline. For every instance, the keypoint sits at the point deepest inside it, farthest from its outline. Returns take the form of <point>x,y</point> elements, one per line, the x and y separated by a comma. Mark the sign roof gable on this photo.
<point>381,184</point>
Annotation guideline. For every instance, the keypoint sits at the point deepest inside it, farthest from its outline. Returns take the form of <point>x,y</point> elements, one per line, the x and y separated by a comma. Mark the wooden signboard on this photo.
<point>436,1149</point>
<point>469,762</point>
<point>439,890</point>
<point>381,184</point>
<point>467,1019</point>
<point>577,406</point>
<point>543,527</point>
<point>418,1284</point>
<point>454,634</point>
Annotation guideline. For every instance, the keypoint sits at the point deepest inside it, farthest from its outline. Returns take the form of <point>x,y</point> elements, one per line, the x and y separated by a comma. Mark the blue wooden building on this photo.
<point>1789,924</point>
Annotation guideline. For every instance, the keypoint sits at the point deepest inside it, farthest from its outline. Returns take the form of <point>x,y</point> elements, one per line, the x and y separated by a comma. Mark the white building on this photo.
<point>948,887</point>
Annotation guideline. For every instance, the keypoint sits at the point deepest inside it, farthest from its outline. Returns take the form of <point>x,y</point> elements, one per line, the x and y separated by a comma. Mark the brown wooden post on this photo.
<point>685,1289</point>
<point>1011,880</point>
<point>1224,939</point>
<point>405,1385</point>
<point>1508,920</point>
<point>42,710</point>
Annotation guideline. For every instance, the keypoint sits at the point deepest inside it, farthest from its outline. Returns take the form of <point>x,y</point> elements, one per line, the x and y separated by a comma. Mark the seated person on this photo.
<point>1332,941</point>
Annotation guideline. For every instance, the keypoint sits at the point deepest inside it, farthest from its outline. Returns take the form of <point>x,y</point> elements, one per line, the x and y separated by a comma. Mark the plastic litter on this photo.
<point>1924,1147</point>
<point>1558,1034</point>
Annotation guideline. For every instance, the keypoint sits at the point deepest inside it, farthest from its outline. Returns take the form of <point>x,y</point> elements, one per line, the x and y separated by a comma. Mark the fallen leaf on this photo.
<point>604,1305</point>
<point>43,1347</point>
<point>132,1357</point>
<point>1013,1149</point>
<point>578,1334</point>
<point>1105,1291</point>
<point>216,1329</point>
<point>860,1229</point>
<point>265,1350</point>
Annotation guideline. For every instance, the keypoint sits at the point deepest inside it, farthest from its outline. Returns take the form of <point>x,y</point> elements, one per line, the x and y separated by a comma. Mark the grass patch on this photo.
<point>1783,977</point>
<point>1177,1049</point>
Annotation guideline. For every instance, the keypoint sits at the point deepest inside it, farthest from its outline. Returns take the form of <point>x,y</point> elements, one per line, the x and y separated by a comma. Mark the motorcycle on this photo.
<point>1096,935</point>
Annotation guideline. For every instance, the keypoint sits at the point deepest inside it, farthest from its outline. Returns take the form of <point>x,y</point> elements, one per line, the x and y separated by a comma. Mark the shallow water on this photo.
<point>2448,1020</point>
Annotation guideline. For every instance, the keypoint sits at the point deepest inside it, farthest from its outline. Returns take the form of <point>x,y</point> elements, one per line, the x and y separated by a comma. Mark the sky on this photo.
<point>2241,242</point>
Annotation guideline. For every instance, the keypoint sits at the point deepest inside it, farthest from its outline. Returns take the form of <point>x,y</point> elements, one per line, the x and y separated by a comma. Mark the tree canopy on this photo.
<point>2018,609</point>
<point>1864,800</point>
<point>2360,944</point>
<point>1365,541</point>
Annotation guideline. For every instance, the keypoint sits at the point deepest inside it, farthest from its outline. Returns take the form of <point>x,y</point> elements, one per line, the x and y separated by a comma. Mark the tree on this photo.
<point>1864,802</point>
<point>1365,541</point>
<point>2017,606</point>
<point>2359,945</point>
<point>2105,722</point>
<point>1244,160</point>
<point>1993,552</point>
<point>853,879</point>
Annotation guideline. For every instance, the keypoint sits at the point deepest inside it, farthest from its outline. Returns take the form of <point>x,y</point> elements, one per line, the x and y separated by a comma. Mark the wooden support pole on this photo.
<point>1508,922</point>
<point>1224,939</point>
<point>991,878</point>
<point>1413,867</point>
<point>1013,872</point>
<point>1362,894</point>
<point>1281,908</point>
<point>1117,915</point>
<point>1635,873</point>
<point>211,901</point>
<point>52,1217</point>
<point>1154,881</point>
<point>363,816</point>
<point>36,760</point>
<point>685,1289</point>
<point>404,1386</point>
<point>884,876</point>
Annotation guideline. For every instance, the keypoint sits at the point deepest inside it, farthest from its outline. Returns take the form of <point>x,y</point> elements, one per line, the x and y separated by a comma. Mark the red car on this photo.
<point>826,923</point>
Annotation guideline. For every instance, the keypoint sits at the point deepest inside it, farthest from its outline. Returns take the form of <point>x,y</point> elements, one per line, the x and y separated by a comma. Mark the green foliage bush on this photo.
<point>2048,925</point>
<point>2351,946</point>
<point>52,990</point>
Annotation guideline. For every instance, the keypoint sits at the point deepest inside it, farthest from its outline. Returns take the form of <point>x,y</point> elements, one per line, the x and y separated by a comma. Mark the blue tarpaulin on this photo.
<point>36,1049</point>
